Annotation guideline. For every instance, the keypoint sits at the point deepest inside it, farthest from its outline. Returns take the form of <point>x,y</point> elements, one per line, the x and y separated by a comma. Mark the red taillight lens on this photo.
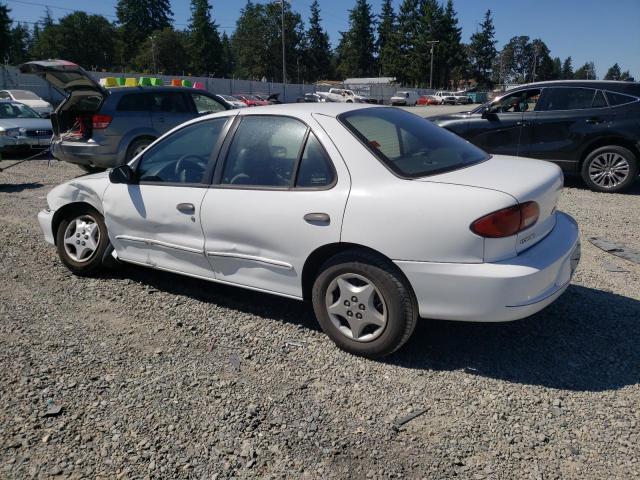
<point>100,121</point>
<point>508,221</point>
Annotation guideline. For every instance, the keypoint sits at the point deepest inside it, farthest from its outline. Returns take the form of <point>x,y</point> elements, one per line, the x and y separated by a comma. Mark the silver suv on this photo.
<point>98,128</point>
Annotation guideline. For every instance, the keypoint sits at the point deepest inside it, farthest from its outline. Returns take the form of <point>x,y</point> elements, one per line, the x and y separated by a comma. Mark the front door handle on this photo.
<point>522,124</point>
<point>317,218</point>
<point>188,208</point>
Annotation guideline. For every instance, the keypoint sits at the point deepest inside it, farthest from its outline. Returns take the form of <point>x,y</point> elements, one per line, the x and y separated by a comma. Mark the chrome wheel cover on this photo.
<point>356,307</point>
<point>81,238</point>
<point>608,169</point>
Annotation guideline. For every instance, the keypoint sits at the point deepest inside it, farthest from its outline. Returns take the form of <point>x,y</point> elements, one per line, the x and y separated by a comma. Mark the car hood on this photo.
<point>28,123</point>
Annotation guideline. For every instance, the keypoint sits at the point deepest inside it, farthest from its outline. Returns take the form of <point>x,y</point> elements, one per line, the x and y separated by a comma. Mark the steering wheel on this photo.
<point>238,177</point>
<point>188,163</point>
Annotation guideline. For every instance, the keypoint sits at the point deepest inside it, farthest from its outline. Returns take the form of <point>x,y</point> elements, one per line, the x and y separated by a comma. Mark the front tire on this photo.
<point>363,304</point>
<point>610,169</point>
<point>81,240</point>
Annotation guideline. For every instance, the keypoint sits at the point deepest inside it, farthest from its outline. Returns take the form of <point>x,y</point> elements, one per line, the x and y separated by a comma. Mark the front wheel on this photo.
<point>364,305</point>
<point>81,240</point>
<point>610,169</point>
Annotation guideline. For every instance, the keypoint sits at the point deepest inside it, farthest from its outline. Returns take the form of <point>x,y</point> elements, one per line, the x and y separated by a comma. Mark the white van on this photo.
<point>405,97</point>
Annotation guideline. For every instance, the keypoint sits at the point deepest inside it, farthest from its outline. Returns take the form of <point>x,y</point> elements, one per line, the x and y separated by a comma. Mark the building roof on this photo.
<point>372,80</point>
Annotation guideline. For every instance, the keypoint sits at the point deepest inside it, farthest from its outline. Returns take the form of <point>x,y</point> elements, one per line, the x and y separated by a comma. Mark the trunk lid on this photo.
<point>63,75</point>
<point>523,179</point>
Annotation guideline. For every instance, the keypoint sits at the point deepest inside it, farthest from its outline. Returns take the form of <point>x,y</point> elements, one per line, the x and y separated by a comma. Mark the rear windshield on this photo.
<point>16,110</point>
<point>25,95</point>
<point>409,145</point>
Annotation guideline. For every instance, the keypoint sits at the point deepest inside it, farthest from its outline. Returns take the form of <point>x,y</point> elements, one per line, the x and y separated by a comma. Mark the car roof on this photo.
<point>142,89</point>
<point>331,109</point>
<point>614,85</point>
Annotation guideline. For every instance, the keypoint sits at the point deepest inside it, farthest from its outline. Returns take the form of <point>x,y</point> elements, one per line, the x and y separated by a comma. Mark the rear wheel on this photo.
<point>363,304</point>
<point>81,240</point>
<point>136,147</point>
<point>610,169</point>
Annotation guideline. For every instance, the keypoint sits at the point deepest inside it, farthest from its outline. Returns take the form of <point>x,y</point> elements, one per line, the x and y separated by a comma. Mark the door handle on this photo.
<point>594,121</point>
<point>522,124</point>
<point>317,218</point>
<point>187,208</point>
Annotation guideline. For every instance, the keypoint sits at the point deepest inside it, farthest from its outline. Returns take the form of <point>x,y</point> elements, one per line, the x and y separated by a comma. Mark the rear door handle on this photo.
<point>188,208</point>
<point>317,218</point>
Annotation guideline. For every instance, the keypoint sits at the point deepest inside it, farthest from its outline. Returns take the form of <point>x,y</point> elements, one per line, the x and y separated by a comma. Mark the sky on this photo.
<point>605,32</point>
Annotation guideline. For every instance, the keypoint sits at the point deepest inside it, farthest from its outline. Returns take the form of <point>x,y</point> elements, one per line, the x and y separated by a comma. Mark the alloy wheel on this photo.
<point>609,169</point>
<point>81,238</point>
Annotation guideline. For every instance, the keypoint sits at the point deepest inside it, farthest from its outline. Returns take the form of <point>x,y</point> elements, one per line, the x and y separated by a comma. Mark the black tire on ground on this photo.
<point>401,306</point>
<point>602,155</point>
<point>92,262</point>
<point>136,147</point>
<point>91,169</point>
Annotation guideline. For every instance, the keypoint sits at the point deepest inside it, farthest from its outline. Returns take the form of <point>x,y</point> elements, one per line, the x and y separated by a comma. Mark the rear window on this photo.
<point>136,102</point>
<point>570,98</point>
<point>616,99</point>
<point>409,145</point>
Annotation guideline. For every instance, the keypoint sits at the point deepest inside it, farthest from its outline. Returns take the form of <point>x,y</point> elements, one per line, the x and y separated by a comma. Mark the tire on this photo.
<point>136,147</point>
<point>91,169</point>
<point>610,169</point>
<point>389,303</point>
<point>76,227</point>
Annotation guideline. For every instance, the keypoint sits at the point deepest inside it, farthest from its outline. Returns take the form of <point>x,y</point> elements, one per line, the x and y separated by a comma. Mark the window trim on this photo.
<point>224,154</point>
<point>595,92</point>
<point>606,96</point>
<point>520,91</point>
<point>211,163</point>
<point>382,158</point>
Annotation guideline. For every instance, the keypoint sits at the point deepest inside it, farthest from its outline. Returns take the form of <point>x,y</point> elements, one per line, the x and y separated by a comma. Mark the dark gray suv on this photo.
<point>99,128</point>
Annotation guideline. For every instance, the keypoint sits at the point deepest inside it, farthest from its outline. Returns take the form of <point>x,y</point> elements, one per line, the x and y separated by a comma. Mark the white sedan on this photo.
<point>374,214</point>
<point>28,98</point>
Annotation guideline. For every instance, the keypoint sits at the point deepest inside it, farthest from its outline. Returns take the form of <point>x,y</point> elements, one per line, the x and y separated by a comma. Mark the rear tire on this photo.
<point>610,169</point>
<point>136,147</point>
<point>363,304</point>
<point>81,240</point>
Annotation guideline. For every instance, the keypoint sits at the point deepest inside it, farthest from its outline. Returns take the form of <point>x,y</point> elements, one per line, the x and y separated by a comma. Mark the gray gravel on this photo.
<point>141,374</point>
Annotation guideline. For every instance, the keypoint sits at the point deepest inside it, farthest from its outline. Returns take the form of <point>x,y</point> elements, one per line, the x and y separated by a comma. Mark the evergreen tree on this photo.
<point>249,40</point>
<point>482,51</point>
<point>138,19</point>
<point>5,32</point>
<point>567,69</point>
<point>387,43</point>
<point>168,53</point>
<point>626,76</point>
<point>542,67</point>
<point>227,61</point>
<point>451,54</point>
<point>613,73</point>
<point>204,44</point>
<point>357,45</point>
<point>20,42</point>
<point>408,33</point>
<point>318,49</point>
<point>431,28</point>
<point>294,41</point>
<point>557,69</point>
<point>586,72</point>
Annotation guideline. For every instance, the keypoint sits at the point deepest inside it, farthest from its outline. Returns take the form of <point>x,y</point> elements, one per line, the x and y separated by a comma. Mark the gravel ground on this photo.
<point>168,377</point>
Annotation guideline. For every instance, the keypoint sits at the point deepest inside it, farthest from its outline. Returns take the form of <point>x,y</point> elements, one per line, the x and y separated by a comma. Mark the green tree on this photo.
<point>138,19</point>
<point>204,44</point>
<point>317,49</point>
<point>387,43</point>
<point>431,28</point>
<point>586,72</point>
<point>5,32</point>
<point>567,69</point>
<point>164,51</point>
<point>451,53</point>
<point>557,69</point>
<point>408,32</point>
<point>248,40</point>
<point>626,76</point>
<point>613,73</point>
<point>542,66</point>
<point>227,60</point>
<point>20,43</point>
<point>357,45</point>
<point>482,51</point>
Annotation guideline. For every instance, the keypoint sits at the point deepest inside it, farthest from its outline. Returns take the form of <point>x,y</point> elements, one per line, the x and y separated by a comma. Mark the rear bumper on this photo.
<point>45,219</point>
<point>501,291</point>
<point>84,153</point>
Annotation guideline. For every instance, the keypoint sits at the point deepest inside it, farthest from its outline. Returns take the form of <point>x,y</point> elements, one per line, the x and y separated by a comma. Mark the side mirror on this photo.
<point>488,114</point>
<point>122,174</point>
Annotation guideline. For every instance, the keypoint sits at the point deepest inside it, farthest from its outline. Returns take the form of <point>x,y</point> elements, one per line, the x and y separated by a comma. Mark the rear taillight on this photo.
<point>508,221</point>
<point>100,121</point>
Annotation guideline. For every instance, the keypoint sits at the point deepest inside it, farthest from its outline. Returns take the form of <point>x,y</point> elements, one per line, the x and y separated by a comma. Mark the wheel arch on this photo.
<point>321,254</point>
<point>609,140</point>
<point>125,144</point>
<point>60,214</point>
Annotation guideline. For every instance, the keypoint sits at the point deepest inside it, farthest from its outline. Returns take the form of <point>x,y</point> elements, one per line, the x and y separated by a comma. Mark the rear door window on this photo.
<point>599,101</point>
<point>315,170</point>
<point>569,98</point>
<point>135,102</point>
<point>170,102</point>
<point>616,99</point>
<point>205,104</point>
<point>409,145</point>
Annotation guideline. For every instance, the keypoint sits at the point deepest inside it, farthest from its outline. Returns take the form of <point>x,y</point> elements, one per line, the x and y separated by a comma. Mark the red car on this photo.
<point>428,100</point>
<point>250,100</point>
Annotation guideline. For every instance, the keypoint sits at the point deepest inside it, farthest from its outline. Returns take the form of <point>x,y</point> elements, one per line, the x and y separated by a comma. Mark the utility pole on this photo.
<point>284,60</point>
<point>153,53</point>
<point>535,62</point>
<point>432,43</point>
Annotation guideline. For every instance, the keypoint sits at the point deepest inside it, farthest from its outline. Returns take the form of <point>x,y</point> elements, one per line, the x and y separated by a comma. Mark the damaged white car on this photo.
<point>375,215</point>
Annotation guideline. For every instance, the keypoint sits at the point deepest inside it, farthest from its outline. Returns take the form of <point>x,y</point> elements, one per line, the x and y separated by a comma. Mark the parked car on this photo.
<point>586,127</point>
<point>98,128</point>
<point>271,99</point>
<point>405,97</point>
<point>21,127</point>
<point>326,202</point>
<point>30,99</point>
<point>250,100</point>
<point>446,98</point>
<point>310,98</point>
<point>428,100</point>
<point>462,98</point>
<point>233,101</point>
<point>342,95</point>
